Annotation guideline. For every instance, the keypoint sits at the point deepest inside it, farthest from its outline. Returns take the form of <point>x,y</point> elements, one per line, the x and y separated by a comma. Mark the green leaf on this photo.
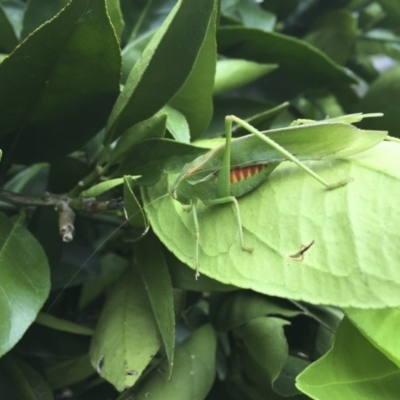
<point>242,306</point>
<point>291,210</point>
<point>153,127</point>
<point>111,268</point>
<point>335,34</point>
<point>163,67</point>
<point>62,325</point>
<point>383,96</point>
<point>8,38</point>
<point>301,66</point>
<point>132,206</point>
<point>38,12</point>
<point>60,98</point>
<point>153,157</point>
<point>232,74</point>
<point>143,17</point>
<point>22,180</point>
<point>194,99</point>
<point>263,120</point>
<point>177,125</point>
<point>182,278</point>
<point>392,8</point>
<point>267,348</point>
<point>102,187</point>
<point>19,381</point>
<point>352,369</point>
<point>105,186</point>
<point>378,326</point>
<point>14,9</point>
<point>154,272</point>
<point>69,372</point>
<point>132,52</point>
<point>248,13</point>
<point>25,281</point>
<point>262,114</point>
<point>126,336</point>
<point>114,11</point>
<point>194,370</point>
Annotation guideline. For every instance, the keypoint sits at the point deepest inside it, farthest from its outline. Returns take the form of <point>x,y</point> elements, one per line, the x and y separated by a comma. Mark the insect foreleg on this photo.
<point>231,199</point>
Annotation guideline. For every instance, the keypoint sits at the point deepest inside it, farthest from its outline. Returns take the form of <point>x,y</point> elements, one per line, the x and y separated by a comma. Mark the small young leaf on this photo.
<point>177,125</point>
<point>232,74</point>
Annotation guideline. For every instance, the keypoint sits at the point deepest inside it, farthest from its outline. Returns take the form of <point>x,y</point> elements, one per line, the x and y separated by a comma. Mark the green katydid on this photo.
<point>250,159</point>
<point>241,165</point>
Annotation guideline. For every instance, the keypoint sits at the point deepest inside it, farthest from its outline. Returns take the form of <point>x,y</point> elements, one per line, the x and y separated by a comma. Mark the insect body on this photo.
<point>241,165</point>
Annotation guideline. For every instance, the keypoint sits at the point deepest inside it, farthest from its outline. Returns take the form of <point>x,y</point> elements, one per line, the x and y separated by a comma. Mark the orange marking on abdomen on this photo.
<point>240,174</point>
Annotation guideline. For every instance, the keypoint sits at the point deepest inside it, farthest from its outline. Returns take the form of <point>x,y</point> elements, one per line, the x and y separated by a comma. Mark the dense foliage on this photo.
<point>100,101</point>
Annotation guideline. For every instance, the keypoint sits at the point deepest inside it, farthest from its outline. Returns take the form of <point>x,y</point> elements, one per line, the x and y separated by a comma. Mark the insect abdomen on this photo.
<point>245,179</point>
<point>240,174</point>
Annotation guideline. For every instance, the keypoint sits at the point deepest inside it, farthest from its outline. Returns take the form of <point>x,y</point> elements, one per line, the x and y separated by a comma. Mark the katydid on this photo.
<point>241,165</point>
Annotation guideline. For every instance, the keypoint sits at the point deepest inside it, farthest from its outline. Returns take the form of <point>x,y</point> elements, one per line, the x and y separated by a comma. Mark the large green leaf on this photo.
<point>25,281</point>
<point>163,67</point>
<point>353,261</point>
<point>126,336</point>
<point>301,66</point>
<point>352,369</point>
<point>38,12</point>
<point>194,98</point>
<point>55,97</point>
<point>378,326</point>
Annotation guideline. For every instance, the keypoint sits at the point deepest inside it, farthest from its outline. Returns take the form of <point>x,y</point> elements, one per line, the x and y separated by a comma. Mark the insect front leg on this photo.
<point>231,199</point>
<point>197,231</point>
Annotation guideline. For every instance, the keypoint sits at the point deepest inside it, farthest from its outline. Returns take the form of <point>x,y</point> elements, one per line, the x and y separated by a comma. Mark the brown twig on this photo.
<point>64,205</point>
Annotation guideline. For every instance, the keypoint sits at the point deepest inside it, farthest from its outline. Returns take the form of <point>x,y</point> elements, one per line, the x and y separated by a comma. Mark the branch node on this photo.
<point>66,221</point>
